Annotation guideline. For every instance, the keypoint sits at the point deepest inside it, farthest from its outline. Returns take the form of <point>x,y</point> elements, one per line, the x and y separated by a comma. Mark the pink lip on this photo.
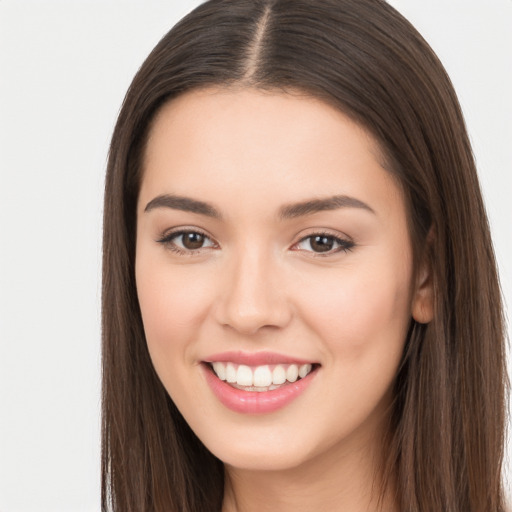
<point>254,402</point>
<point>254,358</point>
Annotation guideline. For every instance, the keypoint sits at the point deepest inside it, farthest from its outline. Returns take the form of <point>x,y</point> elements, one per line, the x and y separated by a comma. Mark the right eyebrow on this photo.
<point>185,204</point>
<point>317,205</point>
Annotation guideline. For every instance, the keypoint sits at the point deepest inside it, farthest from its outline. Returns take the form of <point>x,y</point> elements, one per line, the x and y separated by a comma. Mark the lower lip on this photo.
<point>256,402</point>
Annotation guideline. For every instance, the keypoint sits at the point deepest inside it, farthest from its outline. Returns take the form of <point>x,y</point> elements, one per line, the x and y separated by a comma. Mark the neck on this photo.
<point>339,479</point>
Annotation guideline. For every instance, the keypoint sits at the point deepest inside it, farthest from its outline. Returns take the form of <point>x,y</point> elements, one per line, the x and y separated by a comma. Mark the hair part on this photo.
<point>444,447</point>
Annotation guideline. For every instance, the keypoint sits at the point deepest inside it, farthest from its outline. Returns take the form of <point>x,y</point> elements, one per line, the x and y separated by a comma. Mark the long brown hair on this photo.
<point>445,444</point>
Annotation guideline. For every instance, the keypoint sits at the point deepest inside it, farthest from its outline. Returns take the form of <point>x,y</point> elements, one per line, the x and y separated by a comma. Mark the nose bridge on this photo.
<point>253,295</point>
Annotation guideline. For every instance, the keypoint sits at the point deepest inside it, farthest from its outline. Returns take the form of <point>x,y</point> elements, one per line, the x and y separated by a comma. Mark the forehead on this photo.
<point>278,146</point>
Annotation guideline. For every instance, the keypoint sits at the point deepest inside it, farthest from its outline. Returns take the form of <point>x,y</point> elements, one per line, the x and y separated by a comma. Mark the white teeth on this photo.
<point>304,370</point>
<point>278,375</point>
<point>264,376</point>
<point>230,373</point>
<point>220,370</point>
<point>292,373</point>
<point>244,376</point>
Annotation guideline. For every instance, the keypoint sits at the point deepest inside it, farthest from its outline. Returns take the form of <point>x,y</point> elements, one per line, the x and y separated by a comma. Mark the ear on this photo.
<point>422,308</point>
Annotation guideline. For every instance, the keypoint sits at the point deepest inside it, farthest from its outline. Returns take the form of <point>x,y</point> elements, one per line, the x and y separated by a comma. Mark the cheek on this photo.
<point>174,303</point>
<point>360,314</point>
<point>360,321</point>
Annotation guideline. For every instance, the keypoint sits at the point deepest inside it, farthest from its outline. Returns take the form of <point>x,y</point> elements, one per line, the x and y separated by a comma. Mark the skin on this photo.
<point>258,285</point>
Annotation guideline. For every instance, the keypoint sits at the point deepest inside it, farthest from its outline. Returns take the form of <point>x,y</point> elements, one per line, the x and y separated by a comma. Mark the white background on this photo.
<point>64,69</point>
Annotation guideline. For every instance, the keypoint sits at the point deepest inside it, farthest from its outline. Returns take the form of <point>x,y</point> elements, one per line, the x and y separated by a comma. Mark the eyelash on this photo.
<point>344,245</point>
<point>168,241</point>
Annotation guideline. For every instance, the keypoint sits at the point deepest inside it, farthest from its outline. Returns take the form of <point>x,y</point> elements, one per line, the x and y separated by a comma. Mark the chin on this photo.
<point>262,447</point>
<point>260,458</point>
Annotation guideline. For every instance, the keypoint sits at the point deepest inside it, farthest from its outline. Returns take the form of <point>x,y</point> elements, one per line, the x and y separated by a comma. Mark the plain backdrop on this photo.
<point>64,68</point>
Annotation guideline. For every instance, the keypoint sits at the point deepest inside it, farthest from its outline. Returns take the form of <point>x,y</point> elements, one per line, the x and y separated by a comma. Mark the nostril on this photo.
<point>250,320</point>
<point>249,298</point>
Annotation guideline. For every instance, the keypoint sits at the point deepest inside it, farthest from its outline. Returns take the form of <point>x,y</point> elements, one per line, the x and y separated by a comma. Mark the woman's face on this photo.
<point>274,274</point>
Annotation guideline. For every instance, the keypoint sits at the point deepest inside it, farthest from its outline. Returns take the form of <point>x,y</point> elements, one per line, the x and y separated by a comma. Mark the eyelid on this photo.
<point>345,242</point>
<point>169,233</point>
<point>167,236</point>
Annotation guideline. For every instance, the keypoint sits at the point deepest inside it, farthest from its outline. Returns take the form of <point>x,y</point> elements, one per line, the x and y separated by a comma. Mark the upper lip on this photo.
<point>255,358</point>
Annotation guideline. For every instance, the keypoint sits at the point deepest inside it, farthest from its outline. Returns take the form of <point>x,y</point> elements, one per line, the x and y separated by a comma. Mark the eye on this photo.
<point>324,244</point>
<point>186,241</point>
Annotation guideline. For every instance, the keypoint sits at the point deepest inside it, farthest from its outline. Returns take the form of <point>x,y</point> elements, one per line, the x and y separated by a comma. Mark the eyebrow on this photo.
<point>289,211</point>
<point>185,204</point>
<point>318,205</point>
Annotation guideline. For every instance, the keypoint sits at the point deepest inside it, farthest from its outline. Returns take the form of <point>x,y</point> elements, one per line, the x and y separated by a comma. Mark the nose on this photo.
<point>252,295</point>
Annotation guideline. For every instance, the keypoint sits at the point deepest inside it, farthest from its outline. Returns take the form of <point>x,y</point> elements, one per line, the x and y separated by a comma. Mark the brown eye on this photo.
<point>324,244</point>
<point>192,240</point>
<point>187,242</point>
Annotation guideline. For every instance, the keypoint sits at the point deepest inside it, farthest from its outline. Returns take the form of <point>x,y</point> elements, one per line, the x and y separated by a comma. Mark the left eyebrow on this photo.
<point>185,204</point>
<point>318,205</point>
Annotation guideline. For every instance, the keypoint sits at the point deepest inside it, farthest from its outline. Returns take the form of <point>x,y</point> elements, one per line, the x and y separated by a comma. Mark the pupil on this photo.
<point>193,240</point>
<point>322,243</point>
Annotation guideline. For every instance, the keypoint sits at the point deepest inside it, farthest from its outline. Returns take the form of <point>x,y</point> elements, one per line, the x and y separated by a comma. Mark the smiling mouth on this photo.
<point>260,378</point>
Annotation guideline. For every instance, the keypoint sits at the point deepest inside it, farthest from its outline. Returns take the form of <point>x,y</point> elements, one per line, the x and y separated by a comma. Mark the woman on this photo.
<point>301,306</point>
